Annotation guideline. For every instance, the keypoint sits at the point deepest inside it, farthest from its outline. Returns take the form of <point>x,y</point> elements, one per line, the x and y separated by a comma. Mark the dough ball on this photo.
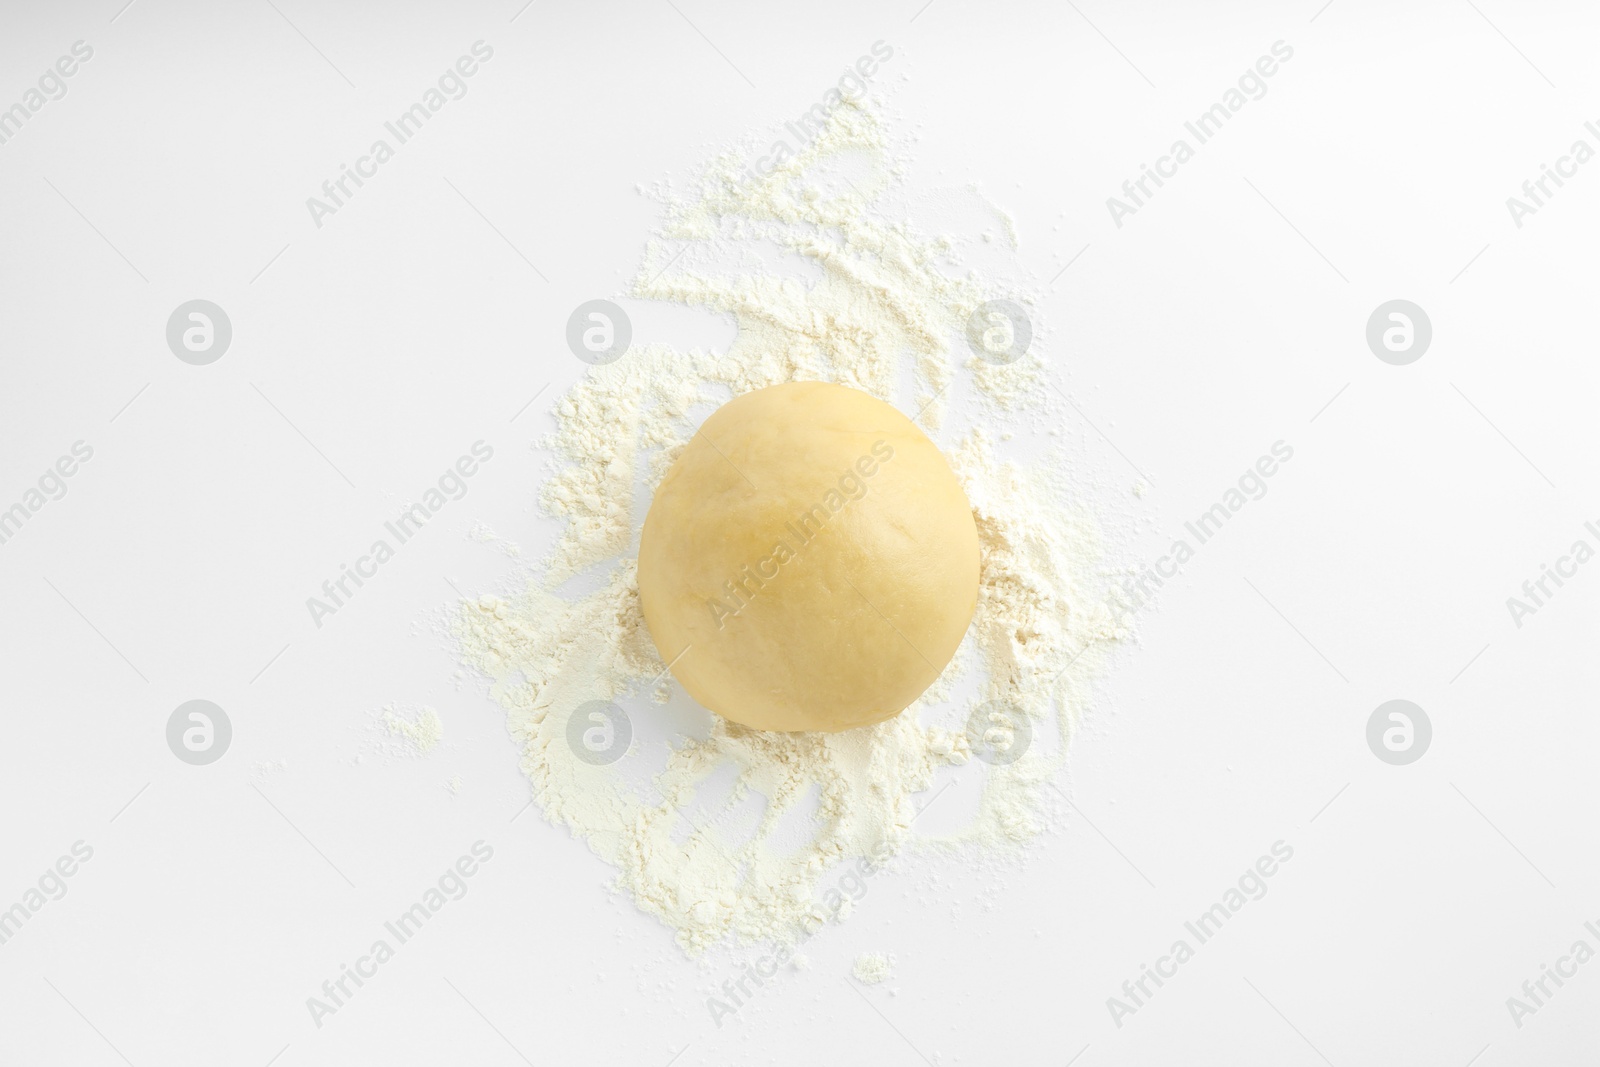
<point>809,562</point>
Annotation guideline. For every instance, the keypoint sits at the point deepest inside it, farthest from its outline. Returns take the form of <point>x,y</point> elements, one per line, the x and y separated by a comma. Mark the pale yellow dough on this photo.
<point>809,562</point>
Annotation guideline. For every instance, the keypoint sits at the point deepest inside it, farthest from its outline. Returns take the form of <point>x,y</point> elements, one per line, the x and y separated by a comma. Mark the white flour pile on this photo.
<point>873,968</point>
<point>869,302</point>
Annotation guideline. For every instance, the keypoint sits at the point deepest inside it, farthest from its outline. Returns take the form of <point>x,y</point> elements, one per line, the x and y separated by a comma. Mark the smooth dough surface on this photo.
<point>809,562</point>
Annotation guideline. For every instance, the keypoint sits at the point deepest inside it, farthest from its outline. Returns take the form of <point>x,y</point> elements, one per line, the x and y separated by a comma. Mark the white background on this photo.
<point>370,353</point>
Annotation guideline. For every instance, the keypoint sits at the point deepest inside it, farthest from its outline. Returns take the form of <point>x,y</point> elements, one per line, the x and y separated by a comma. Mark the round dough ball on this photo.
<point>809,562</point>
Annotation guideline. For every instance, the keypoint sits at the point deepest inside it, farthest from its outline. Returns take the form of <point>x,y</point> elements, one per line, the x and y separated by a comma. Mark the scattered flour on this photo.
<point>267,768</point>
<point>863,300</point>
<point>420,731</point>
<point>874,967</point>
<point>484,534</point>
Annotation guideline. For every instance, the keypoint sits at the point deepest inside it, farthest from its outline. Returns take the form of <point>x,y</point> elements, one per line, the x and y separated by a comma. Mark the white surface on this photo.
<point>405,329</point>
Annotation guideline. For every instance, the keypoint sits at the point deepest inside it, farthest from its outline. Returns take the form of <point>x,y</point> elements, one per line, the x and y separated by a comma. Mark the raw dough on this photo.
<point>809,562</point>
